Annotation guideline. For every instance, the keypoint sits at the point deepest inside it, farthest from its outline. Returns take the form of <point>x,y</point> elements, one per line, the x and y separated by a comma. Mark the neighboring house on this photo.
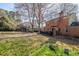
<point>57,25</point>
<point>61,25</point>
<point>23,26</point>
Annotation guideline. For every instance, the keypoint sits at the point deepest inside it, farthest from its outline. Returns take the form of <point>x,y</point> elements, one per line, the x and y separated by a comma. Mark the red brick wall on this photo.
<point>73,31</point>
<point>50,24</point>
<point>59,23</point>
<point>62,24</point>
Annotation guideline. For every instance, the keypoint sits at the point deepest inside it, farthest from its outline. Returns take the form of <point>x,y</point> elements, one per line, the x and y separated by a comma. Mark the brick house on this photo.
<point>61,25</point>
<point>57,25</point>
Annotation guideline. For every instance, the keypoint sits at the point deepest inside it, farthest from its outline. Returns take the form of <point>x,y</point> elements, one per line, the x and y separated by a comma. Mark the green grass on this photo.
<point>25,46</point>
<point>18,46</point>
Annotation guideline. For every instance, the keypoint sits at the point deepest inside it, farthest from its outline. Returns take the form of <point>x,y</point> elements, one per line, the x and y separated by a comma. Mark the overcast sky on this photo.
<point>10,7</point>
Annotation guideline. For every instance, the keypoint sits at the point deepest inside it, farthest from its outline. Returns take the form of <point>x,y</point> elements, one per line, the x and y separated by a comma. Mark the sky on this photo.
<point>10,7</point>
<point>7,6</point>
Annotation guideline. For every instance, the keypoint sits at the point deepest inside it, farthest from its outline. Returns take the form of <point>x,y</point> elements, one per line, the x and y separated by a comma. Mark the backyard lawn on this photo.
<point>33,46</point>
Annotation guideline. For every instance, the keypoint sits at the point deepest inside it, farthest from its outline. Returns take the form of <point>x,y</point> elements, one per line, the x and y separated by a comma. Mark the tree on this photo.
<point>26,10</point>
<point>42,12</point>
<point>7,22</point>
<point>33,12</point>
<point>70,10</point>
<point>39,15</point>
